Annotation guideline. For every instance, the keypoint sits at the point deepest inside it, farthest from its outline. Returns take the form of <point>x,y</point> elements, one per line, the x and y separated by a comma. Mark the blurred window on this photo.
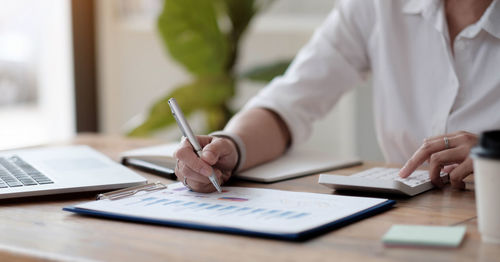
<point>36,102</point>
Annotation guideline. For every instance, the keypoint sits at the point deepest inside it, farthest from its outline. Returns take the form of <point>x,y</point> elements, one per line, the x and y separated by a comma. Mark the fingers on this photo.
<point>195,169</point>
<point>187,156</point>
<point>201,187</point>
<point>196,181</point>
<point>440,159</point>
<point>447,169</point>
<point>431,146</point>
<point>447,153</point>
<point>204,140</point>
<point>184,171</point>
<point>460,173</point>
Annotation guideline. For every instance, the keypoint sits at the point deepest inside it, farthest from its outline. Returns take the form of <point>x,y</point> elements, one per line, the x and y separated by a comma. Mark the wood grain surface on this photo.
<point>37,229</point>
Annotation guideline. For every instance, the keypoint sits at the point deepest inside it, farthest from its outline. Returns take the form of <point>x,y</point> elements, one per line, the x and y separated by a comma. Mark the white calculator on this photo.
<point>384,180</point>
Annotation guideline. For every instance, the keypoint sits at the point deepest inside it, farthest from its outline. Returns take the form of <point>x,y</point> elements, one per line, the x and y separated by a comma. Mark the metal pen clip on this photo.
<point>126,192</point>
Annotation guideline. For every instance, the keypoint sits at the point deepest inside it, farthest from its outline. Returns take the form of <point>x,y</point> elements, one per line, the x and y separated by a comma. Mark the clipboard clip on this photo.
<point>126,192</point>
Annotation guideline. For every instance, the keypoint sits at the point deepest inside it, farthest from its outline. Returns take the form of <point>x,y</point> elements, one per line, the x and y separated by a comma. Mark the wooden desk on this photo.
<point>37,228</point>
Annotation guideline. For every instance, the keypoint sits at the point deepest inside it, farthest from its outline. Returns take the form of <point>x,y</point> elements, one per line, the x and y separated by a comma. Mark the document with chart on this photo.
<point>253,211</point>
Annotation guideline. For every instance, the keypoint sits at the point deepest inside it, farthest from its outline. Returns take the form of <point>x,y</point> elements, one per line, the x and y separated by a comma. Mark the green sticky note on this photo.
<point>417,235</point>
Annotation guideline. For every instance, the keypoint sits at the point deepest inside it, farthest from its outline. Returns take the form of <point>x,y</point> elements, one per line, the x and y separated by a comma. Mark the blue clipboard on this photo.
<point>300,236</point>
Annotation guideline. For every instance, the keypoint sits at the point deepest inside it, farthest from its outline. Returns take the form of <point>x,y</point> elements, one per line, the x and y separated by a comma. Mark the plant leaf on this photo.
<point>266,73</point>
<point>240,13</point>
<point>204,93</point>
<point>217,118</point>
<point>190,30</point>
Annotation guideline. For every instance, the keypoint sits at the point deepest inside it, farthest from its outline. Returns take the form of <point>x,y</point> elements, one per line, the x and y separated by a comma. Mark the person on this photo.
<point>434,65</point>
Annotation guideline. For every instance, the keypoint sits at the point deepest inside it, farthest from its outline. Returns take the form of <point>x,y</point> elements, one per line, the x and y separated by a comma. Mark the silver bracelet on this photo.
<point>240,147</point>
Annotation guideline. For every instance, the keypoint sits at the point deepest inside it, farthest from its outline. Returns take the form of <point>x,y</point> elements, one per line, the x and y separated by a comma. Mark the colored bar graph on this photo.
<point>200,206</point>
<point>235,199</point>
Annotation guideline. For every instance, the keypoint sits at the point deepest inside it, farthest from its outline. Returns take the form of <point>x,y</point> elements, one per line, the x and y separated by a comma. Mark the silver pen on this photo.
<point>187,132</point>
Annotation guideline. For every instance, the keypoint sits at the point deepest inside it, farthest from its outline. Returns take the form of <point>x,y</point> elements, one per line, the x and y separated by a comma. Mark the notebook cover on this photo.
<point>150,167</point>
<point>296,163</point>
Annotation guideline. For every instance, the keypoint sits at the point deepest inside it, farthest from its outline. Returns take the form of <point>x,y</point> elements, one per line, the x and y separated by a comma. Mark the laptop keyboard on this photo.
<point>15,172</point>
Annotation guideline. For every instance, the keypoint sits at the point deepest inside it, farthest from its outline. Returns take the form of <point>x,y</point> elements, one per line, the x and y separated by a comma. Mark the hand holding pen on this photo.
<point>203,162</point>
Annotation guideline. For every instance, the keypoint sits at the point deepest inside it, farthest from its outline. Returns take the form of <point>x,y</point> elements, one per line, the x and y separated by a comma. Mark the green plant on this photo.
<point>204,37</point>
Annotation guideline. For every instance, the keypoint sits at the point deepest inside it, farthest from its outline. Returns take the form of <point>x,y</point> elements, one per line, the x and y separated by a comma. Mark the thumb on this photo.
<point>211,152</point>
<point>218,148</point>
<point>209,156</point>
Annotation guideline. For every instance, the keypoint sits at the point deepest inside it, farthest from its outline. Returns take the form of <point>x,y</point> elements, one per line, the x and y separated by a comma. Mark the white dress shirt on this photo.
<point>421,88</point>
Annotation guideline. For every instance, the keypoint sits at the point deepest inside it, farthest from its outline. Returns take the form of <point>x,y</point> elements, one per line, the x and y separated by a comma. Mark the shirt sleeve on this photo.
<point>332,62</point>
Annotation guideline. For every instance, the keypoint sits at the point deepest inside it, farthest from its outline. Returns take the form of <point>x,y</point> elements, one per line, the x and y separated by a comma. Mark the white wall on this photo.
<point>134,69</point>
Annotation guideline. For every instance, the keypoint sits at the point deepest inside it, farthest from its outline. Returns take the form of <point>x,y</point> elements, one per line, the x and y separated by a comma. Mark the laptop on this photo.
<point>65,169</point>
